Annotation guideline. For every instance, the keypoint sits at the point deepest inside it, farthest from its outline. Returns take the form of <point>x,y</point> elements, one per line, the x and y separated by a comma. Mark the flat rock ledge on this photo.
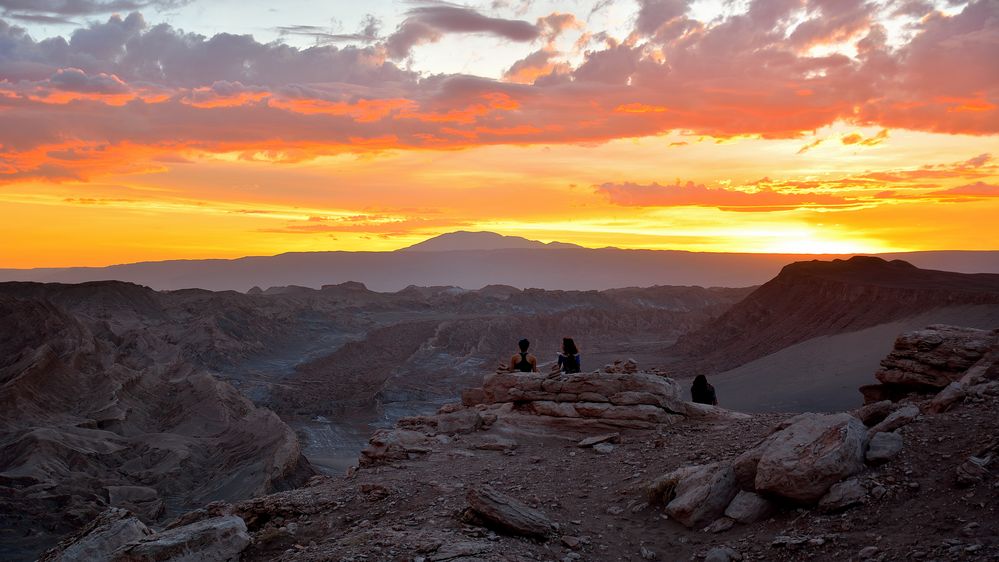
<point>593,403</point>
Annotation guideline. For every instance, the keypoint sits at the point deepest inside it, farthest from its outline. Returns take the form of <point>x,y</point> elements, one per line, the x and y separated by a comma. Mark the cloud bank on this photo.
<point>120,94</point>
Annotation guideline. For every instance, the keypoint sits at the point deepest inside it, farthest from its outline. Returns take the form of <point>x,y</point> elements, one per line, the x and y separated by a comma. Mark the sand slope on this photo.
<point>822,374</point>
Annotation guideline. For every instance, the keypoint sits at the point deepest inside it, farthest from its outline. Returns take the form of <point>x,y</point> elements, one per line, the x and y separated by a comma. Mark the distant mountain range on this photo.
<point>464,240</point>
<point>476,259</point>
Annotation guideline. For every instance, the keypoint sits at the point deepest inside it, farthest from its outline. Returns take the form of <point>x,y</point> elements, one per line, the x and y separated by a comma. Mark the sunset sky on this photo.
<point>135,130</point>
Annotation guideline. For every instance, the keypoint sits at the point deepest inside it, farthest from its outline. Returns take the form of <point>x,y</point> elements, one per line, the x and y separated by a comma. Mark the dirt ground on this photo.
<point>411,510</point>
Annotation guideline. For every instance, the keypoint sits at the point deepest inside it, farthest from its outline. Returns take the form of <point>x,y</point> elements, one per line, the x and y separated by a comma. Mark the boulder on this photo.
<point>111,530</point>
<point>720,525</point>
<point>596,439</point>
<point>947,398</point>
<point>874,413</point>
<point>748,507</point>
<point>803,461</point>
<point>745,467</point>
<point>899,418</point>
<point>700,494</point>
<point>604,448</point>
<point>216,539</point>
<point>506,514</point>
<point>843,495</point>
<point>722,554</point>
<point>883,447</point>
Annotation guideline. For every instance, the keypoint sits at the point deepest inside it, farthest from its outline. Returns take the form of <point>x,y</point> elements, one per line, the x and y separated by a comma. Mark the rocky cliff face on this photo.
<point>92,416</point>
<point>810,299</point>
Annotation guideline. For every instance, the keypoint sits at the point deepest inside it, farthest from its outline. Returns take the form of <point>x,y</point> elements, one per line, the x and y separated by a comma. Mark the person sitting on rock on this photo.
<point>523,361</point>
<point>703,393</point>
<point>568,359</point>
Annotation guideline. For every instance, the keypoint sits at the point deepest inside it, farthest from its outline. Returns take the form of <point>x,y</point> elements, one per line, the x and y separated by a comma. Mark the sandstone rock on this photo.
<point>472,396</point>
<point>801,462</point>
<point>934,357</point>
<point>591,441</point>
<point>507,514</point>
<point>947,398</point>
<point>883,447</point>
<point>973,471</point>
<point>641,412</point>
<point>462,550</point>
<point>720,525</point>
<point>707,412</point>
<point>622,366</point>
<point>509,387</point>
<point>874,413</point>
<point>141,500</point>
<point>388,445</point>
<point>495,443</point>
<point>216,539</point>
<point>748,507</point>
<point>111,530</point>
<point>843,495</point>
<point>722,554</point>
<point>604,448</point>
<point>701,493</point>
<point>462,421</point>
<point>450,408</point>
<point>899,418</point>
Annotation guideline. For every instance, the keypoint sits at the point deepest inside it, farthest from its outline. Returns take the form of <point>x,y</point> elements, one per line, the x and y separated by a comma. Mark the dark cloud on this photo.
<point>35,8</point>
<point>429,23</point>
<point>368,33</point>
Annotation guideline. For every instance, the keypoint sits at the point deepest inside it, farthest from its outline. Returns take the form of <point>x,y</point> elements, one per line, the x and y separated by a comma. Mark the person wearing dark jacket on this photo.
<point>703,393</point>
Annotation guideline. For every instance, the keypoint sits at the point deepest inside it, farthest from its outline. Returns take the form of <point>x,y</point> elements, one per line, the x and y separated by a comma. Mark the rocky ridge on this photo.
<point>498,478</point>
<point>821,298</point>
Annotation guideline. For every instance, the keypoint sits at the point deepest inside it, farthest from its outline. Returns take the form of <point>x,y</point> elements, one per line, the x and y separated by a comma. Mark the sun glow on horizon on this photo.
<point>600,124</point>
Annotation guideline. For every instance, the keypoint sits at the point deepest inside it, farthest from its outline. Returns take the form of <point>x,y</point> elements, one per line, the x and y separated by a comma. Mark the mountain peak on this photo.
<point>466,240</point>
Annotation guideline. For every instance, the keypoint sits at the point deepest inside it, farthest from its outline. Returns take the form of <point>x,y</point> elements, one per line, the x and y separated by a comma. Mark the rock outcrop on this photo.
<point>802,461</point>
<point>933,358</point>
<point>594,403</point>
<point>118,536</point>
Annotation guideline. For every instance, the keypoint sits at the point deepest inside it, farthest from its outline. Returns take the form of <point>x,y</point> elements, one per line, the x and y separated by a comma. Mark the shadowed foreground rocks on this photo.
<point>507,481</point>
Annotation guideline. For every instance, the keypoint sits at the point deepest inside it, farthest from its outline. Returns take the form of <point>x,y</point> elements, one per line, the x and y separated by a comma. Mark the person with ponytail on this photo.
<point>568,358</point>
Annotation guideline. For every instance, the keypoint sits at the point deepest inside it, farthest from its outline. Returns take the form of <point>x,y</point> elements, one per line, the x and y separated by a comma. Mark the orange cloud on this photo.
<point>699,195</point>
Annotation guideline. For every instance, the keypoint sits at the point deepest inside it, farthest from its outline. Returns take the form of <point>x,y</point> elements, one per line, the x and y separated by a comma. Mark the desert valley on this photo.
<point>187,413</point>
<point>499,280</point>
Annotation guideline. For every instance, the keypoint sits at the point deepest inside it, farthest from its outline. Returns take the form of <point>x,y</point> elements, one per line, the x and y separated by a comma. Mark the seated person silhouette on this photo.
<point>568,358</point>
<point>703,393</point>
<point>524,361</point>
